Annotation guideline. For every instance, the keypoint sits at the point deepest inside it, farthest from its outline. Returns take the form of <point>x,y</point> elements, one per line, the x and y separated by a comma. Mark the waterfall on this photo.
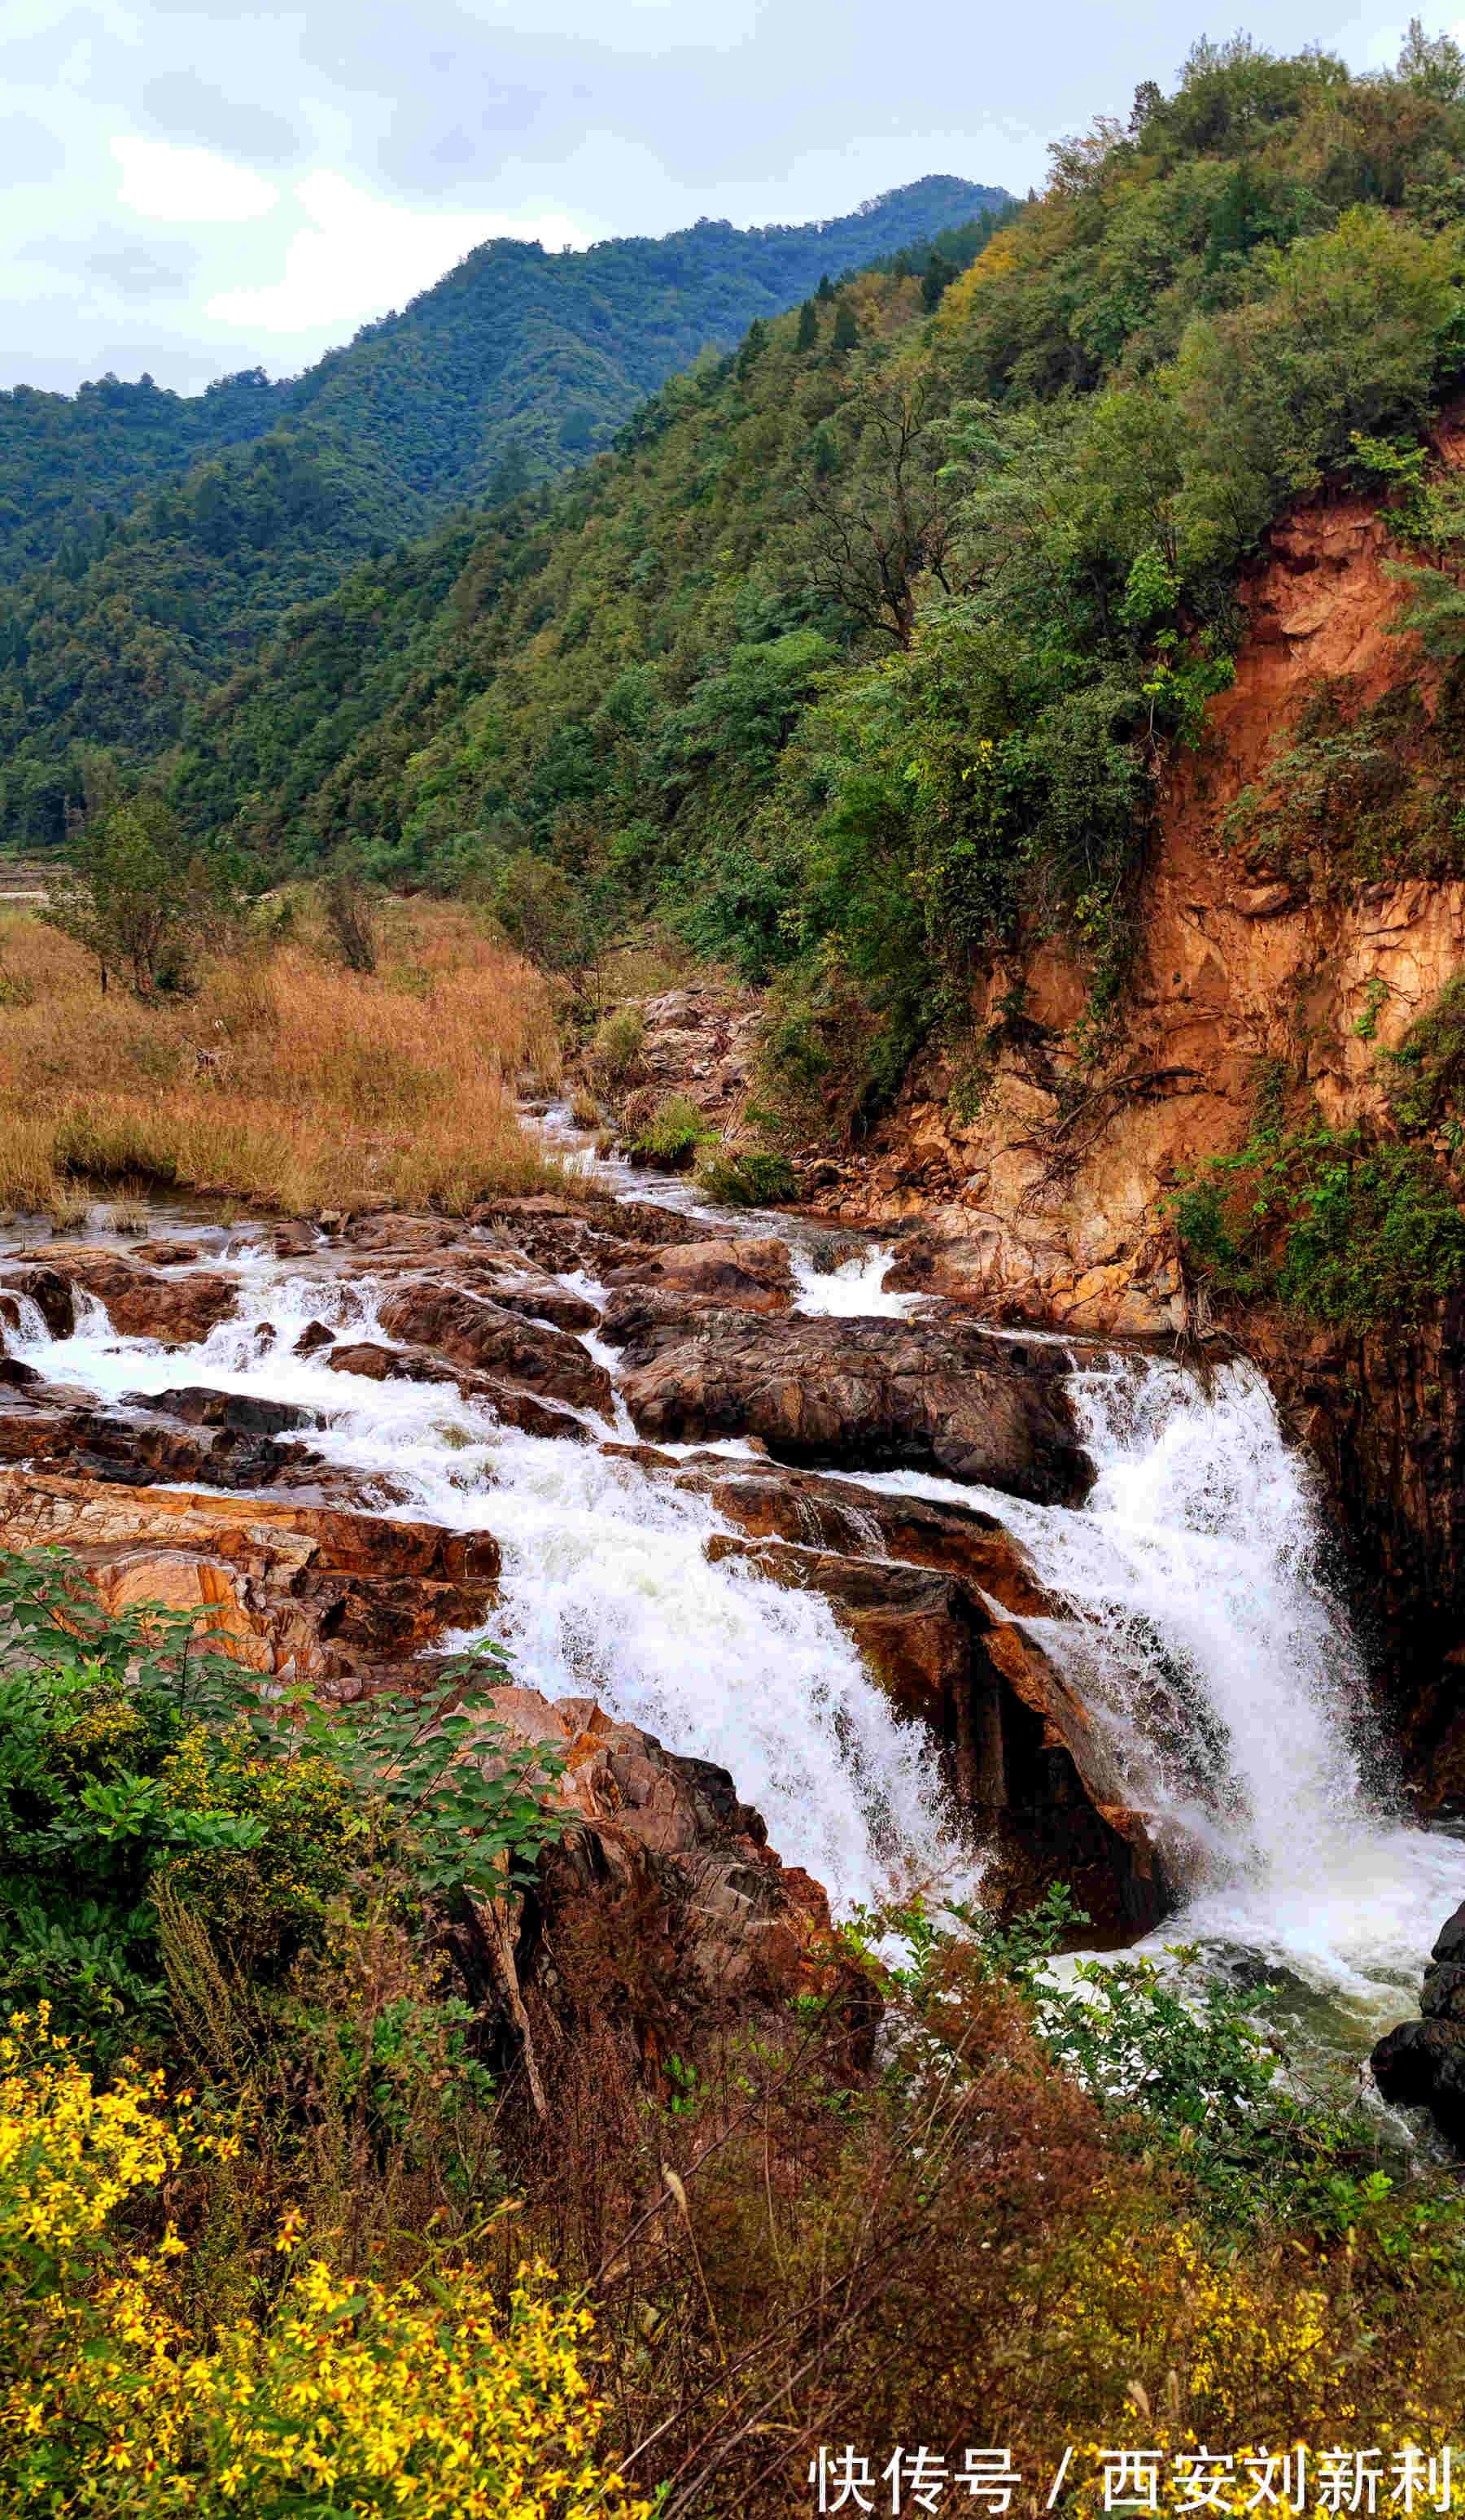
<point>1195,1617</point>
<point>1200,1627</point>
<point>607,1588</point>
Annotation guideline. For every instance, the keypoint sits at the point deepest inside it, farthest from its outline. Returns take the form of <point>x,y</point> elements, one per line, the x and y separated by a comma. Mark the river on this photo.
<point>1202,1627</point>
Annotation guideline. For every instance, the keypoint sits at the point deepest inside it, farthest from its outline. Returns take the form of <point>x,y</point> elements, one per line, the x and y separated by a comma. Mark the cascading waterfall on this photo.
<point>1202,1633</point>
<point>607,1588</point>
<point>1198,1626</point>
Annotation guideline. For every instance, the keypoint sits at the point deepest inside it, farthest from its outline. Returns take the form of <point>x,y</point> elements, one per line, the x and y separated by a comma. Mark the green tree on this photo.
<point>138,892</point>
<point>809,326</point>
<point>846,330</point>
<point>1434,64</point>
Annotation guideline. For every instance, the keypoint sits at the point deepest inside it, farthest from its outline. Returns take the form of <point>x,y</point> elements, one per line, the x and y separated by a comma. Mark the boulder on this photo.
<point>544,1299</point>
<point>717,1922</point>
<point>84,1444</point>
<point>1442,1995</point>
<point>511,1406</point>
<point>243,1412</point>
<point>1422,2063</point>
<point>470,1330</point>
<point>166,1255</point>
<point>139,1302</point>
<point>841,1516</point>
<point>310,1592</point>
<point>1023,1760</point>
<point>753,1275</point>
<point>944,1396</point>
<point>50,1292</point>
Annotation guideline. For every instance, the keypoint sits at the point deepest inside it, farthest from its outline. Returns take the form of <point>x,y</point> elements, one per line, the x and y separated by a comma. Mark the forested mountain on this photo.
<point>869,639</point>
<point>516,354</point>
<point>507,370</point>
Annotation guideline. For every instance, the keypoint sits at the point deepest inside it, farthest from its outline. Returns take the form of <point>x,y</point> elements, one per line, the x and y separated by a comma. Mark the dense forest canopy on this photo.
<point>515,355</point>
<point>175,535</point>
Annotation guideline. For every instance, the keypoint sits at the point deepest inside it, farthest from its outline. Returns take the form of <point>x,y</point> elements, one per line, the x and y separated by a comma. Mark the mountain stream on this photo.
<point>1202,1629</point>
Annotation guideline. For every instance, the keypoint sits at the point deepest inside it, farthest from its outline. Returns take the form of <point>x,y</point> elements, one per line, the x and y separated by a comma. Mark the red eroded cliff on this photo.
<point>1053,1202</point>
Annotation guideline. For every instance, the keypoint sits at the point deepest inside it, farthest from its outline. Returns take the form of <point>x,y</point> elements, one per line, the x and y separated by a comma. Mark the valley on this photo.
<point>732,1332</point>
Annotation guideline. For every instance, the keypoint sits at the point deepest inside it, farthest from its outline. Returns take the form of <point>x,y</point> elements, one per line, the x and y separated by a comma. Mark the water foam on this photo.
<point>608,1588</point>
<point>1202,1631</point>
<point>1198,1623</point>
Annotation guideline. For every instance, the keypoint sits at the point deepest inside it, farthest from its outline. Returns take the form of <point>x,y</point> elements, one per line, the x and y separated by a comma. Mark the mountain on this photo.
<point>141,612</point>
<point>516,353</point>
<point>865,656</point>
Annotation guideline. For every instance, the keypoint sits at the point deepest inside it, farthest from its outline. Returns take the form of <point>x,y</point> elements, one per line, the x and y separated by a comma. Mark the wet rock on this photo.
<point>292,1591</point>
<point>374,1363</point>
<point>139,1303</point>
<point>838,1516</point>
<point>50,1292</point>
<point>866,1394</point>
<point>314,1337</point>
<point>754,1276</point>
<point>1442,1996</point>
<point>1023,1760</point>
<point>509,1405</point>
<point>472,1331</point>
<point>1422,2065</point>
<point>719,1925</point>
<point>544,1299</point>
<point>244,1413</point>
<point>166,1255</point>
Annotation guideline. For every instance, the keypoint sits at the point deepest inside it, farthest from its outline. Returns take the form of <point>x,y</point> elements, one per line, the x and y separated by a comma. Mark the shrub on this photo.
<point>615,1051</point>
<point>1340,1225</point>
<point>668,1140</point>
<point>344,2395</point>
<point>349,903</point>
<point>260,1898</point>
<point>747,1177</point>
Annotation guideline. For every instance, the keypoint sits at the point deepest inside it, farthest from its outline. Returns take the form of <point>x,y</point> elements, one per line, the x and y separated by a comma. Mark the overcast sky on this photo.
<point>187,189</point>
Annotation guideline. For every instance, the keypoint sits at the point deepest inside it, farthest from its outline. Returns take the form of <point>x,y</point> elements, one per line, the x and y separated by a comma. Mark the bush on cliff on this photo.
<point>1345,1225</point>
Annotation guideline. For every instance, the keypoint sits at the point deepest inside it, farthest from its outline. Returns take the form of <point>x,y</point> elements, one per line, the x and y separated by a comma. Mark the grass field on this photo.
<point>282,1081</point>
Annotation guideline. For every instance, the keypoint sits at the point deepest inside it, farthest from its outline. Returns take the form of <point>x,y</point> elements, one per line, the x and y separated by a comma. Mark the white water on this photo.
<point>1200,1627</point>
<point>606,1590</point>
<point>1204,1634</point>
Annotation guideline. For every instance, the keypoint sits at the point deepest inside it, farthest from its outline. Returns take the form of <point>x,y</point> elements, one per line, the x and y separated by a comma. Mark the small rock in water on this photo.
<point>313,1336</point>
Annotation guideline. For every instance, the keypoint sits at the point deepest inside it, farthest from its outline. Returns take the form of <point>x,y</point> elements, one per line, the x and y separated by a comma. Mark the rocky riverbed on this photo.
<point>829,1591</point>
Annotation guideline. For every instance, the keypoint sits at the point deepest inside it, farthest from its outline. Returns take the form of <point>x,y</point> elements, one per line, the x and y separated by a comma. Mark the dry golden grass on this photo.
<point>285,1082</point>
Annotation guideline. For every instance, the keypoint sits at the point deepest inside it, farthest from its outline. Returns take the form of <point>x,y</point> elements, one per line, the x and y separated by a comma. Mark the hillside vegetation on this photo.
<point>866,646</point>
<point>153,542</point>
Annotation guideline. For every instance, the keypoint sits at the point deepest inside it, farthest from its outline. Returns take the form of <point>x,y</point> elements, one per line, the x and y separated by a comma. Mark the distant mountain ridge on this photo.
<point>516,358</point>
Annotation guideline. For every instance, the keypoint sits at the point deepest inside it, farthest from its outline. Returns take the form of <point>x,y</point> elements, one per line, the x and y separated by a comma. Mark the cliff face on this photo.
<point>1052,1202</point>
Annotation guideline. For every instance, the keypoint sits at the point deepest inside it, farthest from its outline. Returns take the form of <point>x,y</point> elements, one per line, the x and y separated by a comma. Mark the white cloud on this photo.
<point>189,187</point>
<point>357,256</point>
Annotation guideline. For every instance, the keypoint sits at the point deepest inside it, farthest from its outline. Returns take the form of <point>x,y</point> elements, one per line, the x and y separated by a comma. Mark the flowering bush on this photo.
<point>70,2156</point>
<point>419,2398</point>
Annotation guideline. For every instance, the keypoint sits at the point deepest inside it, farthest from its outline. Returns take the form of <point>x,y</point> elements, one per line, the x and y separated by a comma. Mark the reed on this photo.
<point>282,1081</point>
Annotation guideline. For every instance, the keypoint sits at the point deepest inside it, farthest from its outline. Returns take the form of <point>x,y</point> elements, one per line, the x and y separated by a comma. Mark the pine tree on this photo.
<point>808,325</point>
<point>846,330</point>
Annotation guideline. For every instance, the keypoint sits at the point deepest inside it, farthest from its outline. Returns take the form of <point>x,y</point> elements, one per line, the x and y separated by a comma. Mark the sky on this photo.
<point>189,189</point>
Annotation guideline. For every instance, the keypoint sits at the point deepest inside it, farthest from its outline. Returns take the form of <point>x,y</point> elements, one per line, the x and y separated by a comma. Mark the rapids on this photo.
<point>1202,1630</point>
